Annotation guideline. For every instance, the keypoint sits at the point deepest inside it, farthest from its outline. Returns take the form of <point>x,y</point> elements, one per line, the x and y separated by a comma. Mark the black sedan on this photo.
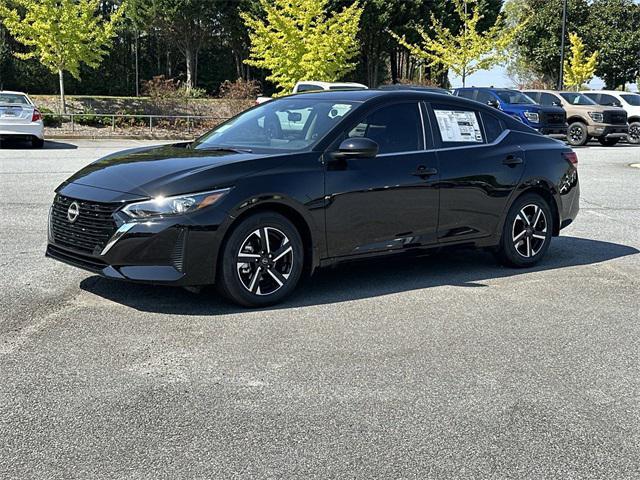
<point>307,180</point>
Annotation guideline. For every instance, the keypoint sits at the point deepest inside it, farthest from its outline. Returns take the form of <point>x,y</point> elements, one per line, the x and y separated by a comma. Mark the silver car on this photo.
<point>19,118</point>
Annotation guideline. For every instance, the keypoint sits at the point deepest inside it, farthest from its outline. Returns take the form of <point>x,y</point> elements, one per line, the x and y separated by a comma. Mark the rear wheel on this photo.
<point>261,260</point>
<point>634,133</point>
<point>527,232</point>
<point>577,134</point>
<point>608,142</point>
<point>37,142</point>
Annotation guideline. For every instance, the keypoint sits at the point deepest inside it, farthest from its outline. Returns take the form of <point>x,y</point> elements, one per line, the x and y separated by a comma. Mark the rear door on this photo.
<point>389,202</point>
<point>479,170</point>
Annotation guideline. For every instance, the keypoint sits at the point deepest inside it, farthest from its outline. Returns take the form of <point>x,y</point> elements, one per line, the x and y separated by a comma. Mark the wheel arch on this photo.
<point>633,119</point>
<point>302,224</point>
<point>543,189</point>
<point>577,118</point>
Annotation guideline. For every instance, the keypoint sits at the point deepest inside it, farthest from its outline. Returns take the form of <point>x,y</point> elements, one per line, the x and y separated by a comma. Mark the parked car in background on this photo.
<point>548,120</point>
<point>630,102</point>
<point>316,86</point>
<point>309,180</point>
<point>20,119</point>
<point>585,117</point>
<point>417,88</point>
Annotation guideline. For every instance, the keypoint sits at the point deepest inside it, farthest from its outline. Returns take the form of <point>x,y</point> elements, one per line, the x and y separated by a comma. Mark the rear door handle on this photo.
<point>512,161</point>
<point>424,172</point>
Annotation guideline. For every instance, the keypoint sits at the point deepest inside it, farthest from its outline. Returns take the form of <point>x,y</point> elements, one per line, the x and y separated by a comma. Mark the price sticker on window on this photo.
<point>459,126</point>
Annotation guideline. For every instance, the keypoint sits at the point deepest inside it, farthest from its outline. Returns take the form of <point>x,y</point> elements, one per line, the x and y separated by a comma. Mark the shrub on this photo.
<point>50,118</point>
<point>240,89</point>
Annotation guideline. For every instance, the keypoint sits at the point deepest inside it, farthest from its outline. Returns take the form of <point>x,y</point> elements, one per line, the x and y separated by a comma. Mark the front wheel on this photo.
<point>577,134</point>
<point>527,232</point>
<point>634,133</point>
<point>608,142</point>
<point>261,261</point>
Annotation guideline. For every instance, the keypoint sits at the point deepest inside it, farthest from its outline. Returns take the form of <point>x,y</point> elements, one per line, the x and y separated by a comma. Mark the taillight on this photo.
<point>36,115</point>
<point>571,157</point>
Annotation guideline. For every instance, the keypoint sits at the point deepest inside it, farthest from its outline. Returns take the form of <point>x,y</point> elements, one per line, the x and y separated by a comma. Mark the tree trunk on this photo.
<point>464,77</point>
<point>394,66</point>
<point>63,105</point>
<point>190,68</point>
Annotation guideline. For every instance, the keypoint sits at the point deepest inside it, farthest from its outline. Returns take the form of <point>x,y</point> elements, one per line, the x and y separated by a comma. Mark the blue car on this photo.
<point>546,120</point>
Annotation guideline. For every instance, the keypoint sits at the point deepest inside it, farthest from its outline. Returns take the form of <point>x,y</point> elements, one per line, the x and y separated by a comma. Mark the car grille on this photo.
<point>555,118</point>
<point>615,118</point>
<point>75,259</point>
<point>91,230</point>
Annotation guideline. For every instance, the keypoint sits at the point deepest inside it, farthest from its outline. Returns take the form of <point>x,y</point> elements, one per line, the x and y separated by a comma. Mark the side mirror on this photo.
<point>493,103</point>
<point>556,103</point>
<point>358,147</point>
<point>294,116</point>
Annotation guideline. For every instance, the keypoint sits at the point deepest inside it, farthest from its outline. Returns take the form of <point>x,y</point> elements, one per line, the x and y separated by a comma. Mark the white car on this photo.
<point>316,86</point>
<point>19,118</point>
<point>627,100</point>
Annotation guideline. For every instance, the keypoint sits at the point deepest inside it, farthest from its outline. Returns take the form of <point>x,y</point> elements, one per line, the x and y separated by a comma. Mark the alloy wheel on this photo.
<point>576,133</point>
<point>265,261</point>
<point>529,231</point>
<point>634,133</point>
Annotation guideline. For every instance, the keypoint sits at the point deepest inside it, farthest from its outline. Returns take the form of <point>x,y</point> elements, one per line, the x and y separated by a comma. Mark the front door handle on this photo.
<point>424,172</point>
<point>512,161</point>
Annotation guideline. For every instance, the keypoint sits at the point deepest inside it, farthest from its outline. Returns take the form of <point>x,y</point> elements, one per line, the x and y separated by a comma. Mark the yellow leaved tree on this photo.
<point>467,51</point>
<point>299,40</point>
<point>580,68</point>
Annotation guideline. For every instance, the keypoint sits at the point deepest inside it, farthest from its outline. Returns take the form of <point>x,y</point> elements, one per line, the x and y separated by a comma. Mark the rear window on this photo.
<point>492,127</point>
<point>13,99</point>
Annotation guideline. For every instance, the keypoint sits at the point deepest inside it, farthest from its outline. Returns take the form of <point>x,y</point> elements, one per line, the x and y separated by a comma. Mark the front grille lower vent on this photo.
<point>177,255</point>
<point>90,231</point>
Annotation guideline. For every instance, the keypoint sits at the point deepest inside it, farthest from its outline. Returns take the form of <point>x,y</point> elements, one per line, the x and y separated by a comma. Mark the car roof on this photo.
<point>13,93</point>
<point>331,84</point>
<point>374,93</point>
<point>494,89</point>
<point>610,92</point>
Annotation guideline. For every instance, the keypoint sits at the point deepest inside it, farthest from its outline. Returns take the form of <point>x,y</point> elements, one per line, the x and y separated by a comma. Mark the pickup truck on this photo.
<point>551,120</point>
<point>627,100</point>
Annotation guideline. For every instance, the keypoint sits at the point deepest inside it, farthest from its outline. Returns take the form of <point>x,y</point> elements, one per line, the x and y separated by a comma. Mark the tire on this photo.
<point>577,134</point>
<point>37,142</point>
<point>608,142</point>
<point>271,270</point>
<point>634,133</point>
<point>524,244</point>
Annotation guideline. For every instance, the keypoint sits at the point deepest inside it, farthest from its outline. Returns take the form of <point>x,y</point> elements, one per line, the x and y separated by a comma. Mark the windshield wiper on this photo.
<point>226,149</point>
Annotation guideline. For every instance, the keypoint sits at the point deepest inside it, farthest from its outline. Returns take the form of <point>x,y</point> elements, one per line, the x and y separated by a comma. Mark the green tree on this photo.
<point>299,40</point>
<point>537,47</point>
<point>579,68</point>
<point>61,34</point>
<point>614,29</point>
<point>467,51</point>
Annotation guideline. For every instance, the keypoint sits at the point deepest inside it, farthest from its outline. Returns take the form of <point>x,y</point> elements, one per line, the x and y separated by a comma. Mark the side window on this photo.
<point>547,99</point>
<point>395,128</point>
<point>534,95</point>
<point>466,94</point>
<point>457,125</point>
<point>484,97</point>
<point>593,96</point>
<point>608,100</point>
<point>493,127</point>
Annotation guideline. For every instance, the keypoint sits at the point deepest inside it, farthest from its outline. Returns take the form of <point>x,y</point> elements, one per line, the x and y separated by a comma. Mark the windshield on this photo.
<point>577,98</point>
<point>293,123</point>
<point>13,99</point>
<point>632,99</point>
<point>514,98</point>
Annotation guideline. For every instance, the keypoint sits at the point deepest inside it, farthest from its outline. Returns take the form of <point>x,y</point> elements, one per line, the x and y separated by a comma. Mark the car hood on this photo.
<point>169,170</point>
<point>535,108</point>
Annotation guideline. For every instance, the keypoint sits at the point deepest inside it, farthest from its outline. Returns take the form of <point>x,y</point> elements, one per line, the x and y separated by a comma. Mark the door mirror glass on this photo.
<point>358,147</point>
<point>493,103</point>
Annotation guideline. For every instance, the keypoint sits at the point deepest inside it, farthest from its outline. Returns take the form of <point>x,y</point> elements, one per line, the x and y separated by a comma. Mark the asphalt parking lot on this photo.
<point>437,367</point>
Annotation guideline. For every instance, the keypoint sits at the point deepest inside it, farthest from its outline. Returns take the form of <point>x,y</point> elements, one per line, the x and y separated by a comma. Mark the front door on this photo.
<point>388,202</point>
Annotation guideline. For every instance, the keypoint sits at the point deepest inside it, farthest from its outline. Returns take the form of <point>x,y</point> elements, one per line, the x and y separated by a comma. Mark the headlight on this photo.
<point>596,117</point>
<point>533,117</point>
<point>179,205</point>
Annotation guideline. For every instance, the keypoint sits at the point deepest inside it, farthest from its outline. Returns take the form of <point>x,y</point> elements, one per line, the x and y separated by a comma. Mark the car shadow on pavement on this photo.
<point>364,279</point>
<point>11,144</point>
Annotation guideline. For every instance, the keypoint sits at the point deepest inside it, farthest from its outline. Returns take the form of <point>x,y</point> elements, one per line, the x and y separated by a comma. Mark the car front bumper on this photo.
<point>33,129</point>
<point>552,130</point>
<point>611,131</point>
<point>176,250</point>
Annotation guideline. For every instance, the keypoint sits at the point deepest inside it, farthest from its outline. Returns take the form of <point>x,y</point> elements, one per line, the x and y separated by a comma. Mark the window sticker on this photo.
<point>458,126</point>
